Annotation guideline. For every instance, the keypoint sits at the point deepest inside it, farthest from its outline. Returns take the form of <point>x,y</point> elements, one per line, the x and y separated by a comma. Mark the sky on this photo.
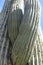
<point>1,4</point>
<point>41,2</point>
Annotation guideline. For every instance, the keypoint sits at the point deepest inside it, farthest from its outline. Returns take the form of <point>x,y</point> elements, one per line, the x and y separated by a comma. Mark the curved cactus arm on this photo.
<point>27,34</point>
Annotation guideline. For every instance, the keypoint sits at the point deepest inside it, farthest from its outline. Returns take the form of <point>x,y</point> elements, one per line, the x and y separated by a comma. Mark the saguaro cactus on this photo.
<point>19,25</point>
<point>27,33</point>
<point>15,18</point>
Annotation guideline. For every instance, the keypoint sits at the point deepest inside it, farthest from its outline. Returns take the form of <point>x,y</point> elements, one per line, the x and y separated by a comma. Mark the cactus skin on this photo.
<point>27,33</point>
<point>22,32</point>
<point>14,20</point>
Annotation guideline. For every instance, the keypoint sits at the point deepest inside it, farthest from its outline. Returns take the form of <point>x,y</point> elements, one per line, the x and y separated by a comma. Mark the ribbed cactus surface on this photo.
<point>19,39</point>
<point>24,42</point>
